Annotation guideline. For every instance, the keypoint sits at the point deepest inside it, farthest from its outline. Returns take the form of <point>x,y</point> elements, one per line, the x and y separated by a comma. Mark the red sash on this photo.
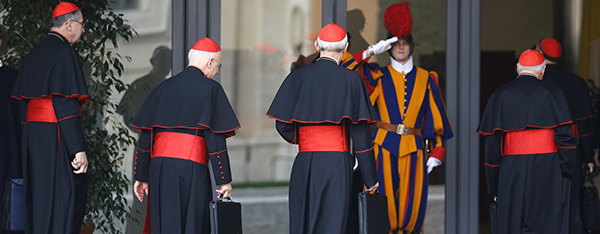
<point>531,141</point>
<point>41,110</point>
<point>180,145</point>
<point>323,138</point>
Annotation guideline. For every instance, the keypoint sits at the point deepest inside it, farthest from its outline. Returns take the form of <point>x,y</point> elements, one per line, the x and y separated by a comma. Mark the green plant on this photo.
<point>26,23</point>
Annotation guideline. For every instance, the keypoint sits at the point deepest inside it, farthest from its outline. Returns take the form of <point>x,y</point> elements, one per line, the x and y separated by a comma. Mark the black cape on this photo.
<point>338,95</point>
<point>56,196</point>
<point>180,190</point>
<point>524,102</point>
<point>179,105</point>
<point>533,190</point>
<point>324,93</point>
<point>49,71</point>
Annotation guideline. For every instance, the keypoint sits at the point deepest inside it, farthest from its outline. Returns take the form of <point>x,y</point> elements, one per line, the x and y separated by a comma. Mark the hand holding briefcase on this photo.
<point>373,213</point>
<point>225,216</point>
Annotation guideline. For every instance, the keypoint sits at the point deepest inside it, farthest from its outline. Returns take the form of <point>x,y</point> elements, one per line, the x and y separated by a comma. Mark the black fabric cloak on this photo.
<point>10,136</point>
<point>324,93</point>
<point>56,197</point>
<point>180,190</point>
<point>533,190</point>
<point>578,99</point>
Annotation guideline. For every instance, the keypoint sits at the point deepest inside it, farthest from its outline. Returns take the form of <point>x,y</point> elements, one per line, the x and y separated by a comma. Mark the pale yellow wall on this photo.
<point>515,25</point>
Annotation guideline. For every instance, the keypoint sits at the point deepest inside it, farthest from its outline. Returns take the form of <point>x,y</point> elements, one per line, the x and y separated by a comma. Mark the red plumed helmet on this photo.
<point>397,19</point>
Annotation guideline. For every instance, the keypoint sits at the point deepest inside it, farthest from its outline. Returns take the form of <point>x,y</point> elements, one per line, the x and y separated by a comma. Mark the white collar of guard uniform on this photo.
<point>406,68</point>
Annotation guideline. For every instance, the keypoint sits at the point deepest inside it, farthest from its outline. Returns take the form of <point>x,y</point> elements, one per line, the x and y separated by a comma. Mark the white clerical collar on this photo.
<point>329,57</point>
<point>406,68</point>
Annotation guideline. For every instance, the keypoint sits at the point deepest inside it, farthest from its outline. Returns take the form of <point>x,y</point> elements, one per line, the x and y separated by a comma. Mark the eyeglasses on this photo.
<point>79,22</point>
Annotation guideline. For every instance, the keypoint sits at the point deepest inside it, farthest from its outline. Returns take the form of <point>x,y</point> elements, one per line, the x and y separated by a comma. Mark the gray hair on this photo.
<point>537,68</point>
<point>60,20</point>
<point>197,54</point>
<point>332,46</point>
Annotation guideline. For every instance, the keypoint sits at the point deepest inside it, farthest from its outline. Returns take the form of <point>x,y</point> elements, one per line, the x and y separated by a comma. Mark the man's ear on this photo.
<point>346,48</point>
<point>317,46</point>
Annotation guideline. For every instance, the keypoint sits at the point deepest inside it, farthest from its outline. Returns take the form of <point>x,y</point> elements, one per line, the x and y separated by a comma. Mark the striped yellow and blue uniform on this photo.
<point>412,99</point>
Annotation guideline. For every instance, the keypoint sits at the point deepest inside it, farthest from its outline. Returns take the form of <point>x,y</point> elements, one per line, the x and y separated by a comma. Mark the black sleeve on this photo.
<point>363,150</point>
<point>68,114</point>
<point>219,158</point>
<point>493,157</point>
<point>586,137</point>
<point>287,131</point>
<point>567,149</point>
<point>143,156</point>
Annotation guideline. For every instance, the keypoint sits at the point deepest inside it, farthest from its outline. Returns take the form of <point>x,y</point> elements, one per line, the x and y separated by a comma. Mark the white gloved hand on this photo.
<point>431,163</point>
<point>382,46</point>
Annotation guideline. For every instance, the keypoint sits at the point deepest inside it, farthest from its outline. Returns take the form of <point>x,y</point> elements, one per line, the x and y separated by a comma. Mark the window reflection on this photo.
<point>259,41</point>
<point>124,4</point>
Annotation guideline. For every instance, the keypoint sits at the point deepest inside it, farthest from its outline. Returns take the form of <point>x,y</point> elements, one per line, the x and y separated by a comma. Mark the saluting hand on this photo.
<point>80,163</point>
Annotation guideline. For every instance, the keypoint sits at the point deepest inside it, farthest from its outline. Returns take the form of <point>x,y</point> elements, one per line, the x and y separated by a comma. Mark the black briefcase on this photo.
<point>14,206</point>
<point>225,216</point>
<point>590,209</point>
<point>494,217</point>
<point>373,213</point>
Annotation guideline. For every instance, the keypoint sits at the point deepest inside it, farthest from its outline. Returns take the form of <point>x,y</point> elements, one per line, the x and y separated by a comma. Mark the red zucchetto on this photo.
<point>530,58</point>
<point>63,8</point>
<point>332,33</point>
<point>206,44</point>
<point>551,47</point>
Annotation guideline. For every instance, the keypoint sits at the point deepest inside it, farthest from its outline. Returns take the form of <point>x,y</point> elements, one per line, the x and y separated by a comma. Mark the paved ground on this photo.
<point>265,210</point>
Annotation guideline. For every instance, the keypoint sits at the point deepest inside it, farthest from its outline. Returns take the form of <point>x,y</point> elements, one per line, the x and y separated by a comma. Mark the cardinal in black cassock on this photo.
<point>529,151</point>
<point>52,88</point>
<point>320,107</point>
<point>576,93</point>
<point>10,136</point>
<point>184,122</point>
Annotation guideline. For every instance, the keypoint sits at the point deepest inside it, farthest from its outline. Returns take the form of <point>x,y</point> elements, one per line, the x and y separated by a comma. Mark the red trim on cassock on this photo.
<point>574,129</point>
<point>439,153</point>
<point>567,147</point>
<point>521,129</point>
<point>180,145</point>
<point>582,118</point>
<point>140,149</point>
<point>586,135</point>
<point>491,165</point>
<point>362,151</point>
<point>323,121</point>
<point>531,141</point>
<point>227,133</point>
<point>41,110</point>
<point>68,117</point>
<point>82,98</point>
<point>218,152</point>
<point>323,138</point>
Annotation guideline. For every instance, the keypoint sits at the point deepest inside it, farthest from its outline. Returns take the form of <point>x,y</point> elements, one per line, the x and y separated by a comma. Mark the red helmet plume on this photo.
<point>397,19</point>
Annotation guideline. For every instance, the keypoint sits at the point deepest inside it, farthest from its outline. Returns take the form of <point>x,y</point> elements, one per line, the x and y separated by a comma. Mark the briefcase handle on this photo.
<point>225,199</point>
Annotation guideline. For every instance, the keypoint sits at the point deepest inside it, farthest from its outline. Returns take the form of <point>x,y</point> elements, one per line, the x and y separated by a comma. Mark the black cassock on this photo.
<point>56,197</point>
<point>319,94</point>
<point>180,190</point>
<point>533,189</point>
<point>577,96</point>
<point>10,136</point>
